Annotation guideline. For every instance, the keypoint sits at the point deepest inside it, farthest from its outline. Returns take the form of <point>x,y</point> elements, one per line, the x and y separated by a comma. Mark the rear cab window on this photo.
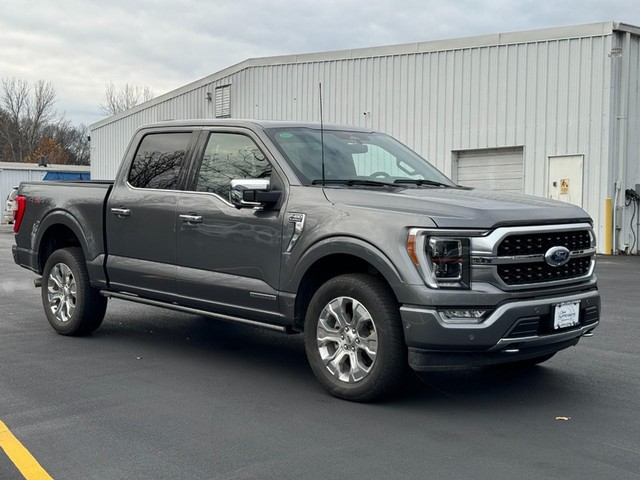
<point>159,161</point>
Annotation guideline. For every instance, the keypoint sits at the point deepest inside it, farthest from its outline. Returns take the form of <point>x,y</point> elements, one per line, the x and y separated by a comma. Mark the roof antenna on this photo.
<point>321,137</point>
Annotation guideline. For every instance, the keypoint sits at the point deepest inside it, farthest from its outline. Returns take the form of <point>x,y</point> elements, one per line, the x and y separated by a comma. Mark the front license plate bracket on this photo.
<point>566,315</point>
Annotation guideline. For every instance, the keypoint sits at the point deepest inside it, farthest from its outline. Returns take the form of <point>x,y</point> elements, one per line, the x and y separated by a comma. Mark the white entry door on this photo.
<point>565,179</point>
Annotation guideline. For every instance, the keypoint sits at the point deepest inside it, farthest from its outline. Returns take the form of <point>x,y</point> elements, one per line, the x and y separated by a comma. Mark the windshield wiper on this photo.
<point>349,182</point>
<point>422,181</point>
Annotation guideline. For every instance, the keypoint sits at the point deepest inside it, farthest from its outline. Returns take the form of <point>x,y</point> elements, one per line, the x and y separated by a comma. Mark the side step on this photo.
<point>194,311</point>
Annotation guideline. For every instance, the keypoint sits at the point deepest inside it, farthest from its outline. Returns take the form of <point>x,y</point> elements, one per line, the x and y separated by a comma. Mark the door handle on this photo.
<point>191,218</point>
<point>121,212</point>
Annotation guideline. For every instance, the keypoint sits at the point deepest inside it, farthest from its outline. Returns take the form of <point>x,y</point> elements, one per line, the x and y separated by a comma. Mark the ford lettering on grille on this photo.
<point>557,256</point>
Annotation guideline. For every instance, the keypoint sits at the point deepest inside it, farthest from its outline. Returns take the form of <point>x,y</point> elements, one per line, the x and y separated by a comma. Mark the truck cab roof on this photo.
<point>251,123</point>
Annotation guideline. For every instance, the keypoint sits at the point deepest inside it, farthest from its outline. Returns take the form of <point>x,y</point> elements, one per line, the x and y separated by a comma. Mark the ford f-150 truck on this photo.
<point>341,233</point>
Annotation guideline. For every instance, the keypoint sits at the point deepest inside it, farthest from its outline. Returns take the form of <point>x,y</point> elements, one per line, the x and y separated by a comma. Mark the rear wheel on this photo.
<point>353,338</point>
<point>72,306</point>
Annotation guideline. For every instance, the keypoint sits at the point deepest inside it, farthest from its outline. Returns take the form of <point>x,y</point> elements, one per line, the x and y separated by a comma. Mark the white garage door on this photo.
<point>496,169</point>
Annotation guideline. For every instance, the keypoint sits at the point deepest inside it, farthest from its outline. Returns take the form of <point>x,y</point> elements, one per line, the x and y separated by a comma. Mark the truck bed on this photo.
<point>74,205</point>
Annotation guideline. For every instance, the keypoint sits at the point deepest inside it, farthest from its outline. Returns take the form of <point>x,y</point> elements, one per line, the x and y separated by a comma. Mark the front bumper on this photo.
<point>515,330</point>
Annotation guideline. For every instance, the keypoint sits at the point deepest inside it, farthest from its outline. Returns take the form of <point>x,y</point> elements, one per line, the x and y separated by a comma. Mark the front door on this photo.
<point>228,258</point>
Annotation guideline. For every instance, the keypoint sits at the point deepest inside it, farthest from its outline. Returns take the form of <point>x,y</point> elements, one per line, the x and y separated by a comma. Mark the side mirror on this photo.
<point>252,192</point>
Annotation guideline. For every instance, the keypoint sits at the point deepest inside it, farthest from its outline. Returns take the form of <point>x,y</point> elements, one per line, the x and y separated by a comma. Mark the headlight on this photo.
<point>443,261</point>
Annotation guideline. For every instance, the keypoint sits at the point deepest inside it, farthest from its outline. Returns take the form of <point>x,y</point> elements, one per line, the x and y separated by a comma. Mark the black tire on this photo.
<point>373,300</point>
<point>71,311</point>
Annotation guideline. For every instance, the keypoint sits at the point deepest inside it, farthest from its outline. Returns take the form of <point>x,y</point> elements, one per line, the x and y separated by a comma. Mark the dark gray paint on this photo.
<point>142,246</point>
<point>235,250</point>
<point>76,205</point>
<point>217,264</point>
<point>461,208</point>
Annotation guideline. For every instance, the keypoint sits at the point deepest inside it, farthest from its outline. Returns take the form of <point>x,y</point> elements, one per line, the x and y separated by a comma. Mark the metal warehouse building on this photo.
<point>11,174</point>
<point>553,112</point>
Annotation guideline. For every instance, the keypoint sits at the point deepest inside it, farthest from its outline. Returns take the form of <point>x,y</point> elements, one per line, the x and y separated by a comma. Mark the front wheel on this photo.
<point>353,338</point>
<point>72,306</point>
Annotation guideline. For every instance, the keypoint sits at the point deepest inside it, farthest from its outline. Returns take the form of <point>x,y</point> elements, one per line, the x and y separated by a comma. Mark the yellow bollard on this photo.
<point>608,217</point>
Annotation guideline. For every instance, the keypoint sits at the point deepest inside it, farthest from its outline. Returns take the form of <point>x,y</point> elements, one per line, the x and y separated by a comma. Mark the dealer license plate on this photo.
<point>566,315</point>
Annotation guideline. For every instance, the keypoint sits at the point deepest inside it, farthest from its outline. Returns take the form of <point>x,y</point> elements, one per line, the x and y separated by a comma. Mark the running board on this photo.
<point>194,311</point>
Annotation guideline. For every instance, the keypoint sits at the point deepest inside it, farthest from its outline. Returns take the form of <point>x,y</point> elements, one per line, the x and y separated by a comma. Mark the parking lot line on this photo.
<point>20,456</point>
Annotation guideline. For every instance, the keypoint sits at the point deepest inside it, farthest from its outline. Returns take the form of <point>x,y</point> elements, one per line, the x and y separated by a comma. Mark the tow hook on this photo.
<point>37,282</point>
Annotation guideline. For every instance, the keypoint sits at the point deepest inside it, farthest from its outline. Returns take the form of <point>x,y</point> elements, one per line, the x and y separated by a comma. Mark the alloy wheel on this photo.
<point>62,292</point>
<point>347,339</point>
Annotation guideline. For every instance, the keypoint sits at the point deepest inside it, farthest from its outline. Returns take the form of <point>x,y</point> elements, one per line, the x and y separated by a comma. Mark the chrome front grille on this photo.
<point>515,258</point>
<point>524,273</point>
<point>539,243</point>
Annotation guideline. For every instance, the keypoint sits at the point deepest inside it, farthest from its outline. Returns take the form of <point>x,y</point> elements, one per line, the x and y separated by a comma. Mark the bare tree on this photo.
<point>40,112</point>
<point>25,114</point>
<point>72,140</point>
<point>77,144</point>
<point>118,100</point>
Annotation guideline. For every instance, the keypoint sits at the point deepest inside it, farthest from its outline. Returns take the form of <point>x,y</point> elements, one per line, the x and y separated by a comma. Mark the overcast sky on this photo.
<point>81,45</point>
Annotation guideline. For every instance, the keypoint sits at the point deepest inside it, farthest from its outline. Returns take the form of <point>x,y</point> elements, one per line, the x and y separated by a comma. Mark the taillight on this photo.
<point>20,205</point>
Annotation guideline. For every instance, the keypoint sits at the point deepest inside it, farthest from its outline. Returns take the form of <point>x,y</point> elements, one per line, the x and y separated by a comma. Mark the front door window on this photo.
<point>230,156</point>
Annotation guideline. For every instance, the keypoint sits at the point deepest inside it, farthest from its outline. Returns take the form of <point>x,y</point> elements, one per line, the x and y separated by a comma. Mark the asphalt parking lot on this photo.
<point>158,394</point>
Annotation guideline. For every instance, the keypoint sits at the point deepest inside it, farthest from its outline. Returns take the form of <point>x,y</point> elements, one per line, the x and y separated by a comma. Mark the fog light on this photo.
<point>462,316</point>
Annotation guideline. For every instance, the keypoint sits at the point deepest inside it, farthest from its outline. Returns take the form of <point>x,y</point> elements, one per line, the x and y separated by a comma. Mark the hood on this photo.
<point>460,207</point>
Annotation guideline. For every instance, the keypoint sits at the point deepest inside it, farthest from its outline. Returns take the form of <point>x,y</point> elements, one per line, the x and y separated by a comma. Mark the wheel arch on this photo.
<point>58,230</point>
<point>336,256</point>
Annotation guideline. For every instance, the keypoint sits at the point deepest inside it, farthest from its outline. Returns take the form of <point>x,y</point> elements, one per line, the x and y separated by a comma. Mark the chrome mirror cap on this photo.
<point>239,186</point>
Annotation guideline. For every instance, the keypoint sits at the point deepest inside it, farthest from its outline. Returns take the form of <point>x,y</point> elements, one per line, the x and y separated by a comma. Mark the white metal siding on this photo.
<point>10,178</point>
<point>550,95</point>
<point>495,169</point>
<point>109,142</point>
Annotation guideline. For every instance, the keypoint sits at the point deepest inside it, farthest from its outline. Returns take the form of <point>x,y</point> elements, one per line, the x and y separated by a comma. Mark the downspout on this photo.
<point>620,70</point>
<point>624,119</point>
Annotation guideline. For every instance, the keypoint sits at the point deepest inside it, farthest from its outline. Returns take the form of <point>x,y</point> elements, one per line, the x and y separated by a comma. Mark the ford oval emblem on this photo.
<point>557,256</point>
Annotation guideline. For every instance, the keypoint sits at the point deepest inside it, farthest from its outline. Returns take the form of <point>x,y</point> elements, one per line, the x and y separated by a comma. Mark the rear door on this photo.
<point>228,258</point>
<point>141,210</point>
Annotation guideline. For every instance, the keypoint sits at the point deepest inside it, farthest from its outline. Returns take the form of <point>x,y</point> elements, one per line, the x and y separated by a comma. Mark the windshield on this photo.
<point>353,156</point>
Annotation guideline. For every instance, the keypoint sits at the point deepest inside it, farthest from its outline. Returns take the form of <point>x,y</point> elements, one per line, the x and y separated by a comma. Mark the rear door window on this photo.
<point>159,161</point>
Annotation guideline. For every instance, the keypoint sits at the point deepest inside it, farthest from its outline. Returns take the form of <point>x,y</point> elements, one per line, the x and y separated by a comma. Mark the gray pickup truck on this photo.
<point>341,233</point>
